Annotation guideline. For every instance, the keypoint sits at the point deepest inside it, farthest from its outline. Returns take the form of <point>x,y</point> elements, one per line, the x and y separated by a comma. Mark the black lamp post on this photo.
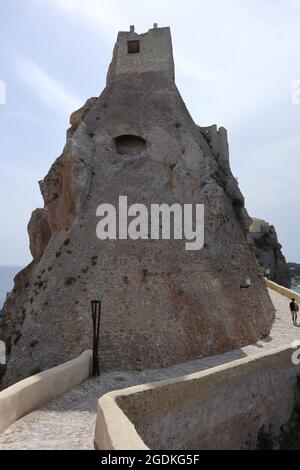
<point>96,315</point>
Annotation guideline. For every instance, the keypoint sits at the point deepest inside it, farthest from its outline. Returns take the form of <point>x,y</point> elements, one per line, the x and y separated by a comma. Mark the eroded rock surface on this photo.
<point>162,305</point>
<point>268,251</point>
<point>39,233</point>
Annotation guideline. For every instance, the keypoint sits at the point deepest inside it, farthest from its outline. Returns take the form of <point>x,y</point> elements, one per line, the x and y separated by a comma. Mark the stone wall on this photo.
<point>226,407</point>
<point>155,54</point>
<point>290,294</point>
<point>23,397</point>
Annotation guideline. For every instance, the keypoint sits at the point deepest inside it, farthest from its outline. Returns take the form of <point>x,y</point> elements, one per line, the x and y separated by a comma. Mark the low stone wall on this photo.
<point>224,407</point>
<point>23,397</point>
<point>114,430</point>
<point>283,290</point>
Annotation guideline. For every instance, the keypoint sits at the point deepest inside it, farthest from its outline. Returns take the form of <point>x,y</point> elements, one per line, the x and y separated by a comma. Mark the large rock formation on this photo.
<point>161,304</point>
<point>264,241</point>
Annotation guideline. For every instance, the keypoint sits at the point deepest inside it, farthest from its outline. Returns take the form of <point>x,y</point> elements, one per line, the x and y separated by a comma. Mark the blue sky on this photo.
<point>235,65</point>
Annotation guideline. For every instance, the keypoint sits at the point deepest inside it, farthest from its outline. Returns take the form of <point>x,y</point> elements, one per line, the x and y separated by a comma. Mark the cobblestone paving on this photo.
<point>69,421</point>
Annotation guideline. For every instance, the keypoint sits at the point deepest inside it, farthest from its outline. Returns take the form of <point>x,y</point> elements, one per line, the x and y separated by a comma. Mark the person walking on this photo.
<point>294,308</point>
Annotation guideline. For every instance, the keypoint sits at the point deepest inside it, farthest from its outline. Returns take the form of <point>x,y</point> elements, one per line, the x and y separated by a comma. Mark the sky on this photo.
<point>236,64</point>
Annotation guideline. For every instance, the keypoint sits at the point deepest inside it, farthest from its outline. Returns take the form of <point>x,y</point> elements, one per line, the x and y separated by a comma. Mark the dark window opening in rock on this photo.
<point>133,47</point>
<point>130,144</point>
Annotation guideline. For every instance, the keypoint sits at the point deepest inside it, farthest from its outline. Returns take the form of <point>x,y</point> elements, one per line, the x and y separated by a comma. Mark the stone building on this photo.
<point>161,304</point>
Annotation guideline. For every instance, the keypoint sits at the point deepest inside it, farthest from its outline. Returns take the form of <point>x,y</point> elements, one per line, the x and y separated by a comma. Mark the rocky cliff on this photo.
<point>268,251</point>
<point>161,304</point>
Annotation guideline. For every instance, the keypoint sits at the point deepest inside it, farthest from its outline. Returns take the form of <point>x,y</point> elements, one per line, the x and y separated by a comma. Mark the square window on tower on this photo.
<point>133,47</point>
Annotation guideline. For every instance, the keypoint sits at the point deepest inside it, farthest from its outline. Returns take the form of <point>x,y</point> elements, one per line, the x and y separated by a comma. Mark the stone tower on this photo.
<point>161,304</point>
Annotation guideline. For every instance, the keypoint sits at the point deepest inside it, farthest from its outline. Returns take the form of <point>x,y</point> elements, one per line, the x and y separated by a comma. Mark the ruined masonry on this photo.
<point>162,305</point>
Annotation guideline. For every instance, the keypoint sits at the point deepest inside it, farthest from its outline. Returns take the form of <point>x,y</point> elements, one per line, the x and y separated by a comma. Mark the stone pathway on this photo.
<point>69,421</point>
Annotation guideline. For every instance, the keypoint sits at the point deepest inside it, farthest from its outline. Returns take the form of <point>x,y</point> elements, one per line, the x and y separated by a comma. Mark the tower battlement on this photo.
<point>141,53</point>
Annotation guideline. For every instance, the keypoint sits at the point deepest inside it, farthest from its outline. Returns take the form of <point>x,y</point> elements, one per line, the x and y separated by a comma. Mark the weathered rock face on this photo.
<point>39,233</point>
<point>14,309</point>
<point>161,304</point>
<point>264,241</point>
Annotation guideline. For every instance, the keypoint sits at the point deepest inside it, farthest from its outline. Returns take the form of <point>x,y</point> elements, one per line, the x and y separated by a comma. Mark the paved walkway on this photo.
<point>69,421</point>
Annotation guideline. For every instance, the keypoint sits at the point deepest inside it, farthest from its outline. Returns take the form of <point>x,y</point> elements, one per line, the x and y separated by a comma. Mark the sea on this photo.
<point>7,274</point>
<point>296,289</point>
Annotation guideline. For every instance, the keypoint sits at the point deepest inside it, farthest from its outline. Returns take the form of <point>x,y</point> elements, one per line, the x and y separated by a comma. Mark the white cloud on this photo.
<point>28,117</point>
<point>96,12</point>
<point>50,91</point>
<point>197,70</point>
